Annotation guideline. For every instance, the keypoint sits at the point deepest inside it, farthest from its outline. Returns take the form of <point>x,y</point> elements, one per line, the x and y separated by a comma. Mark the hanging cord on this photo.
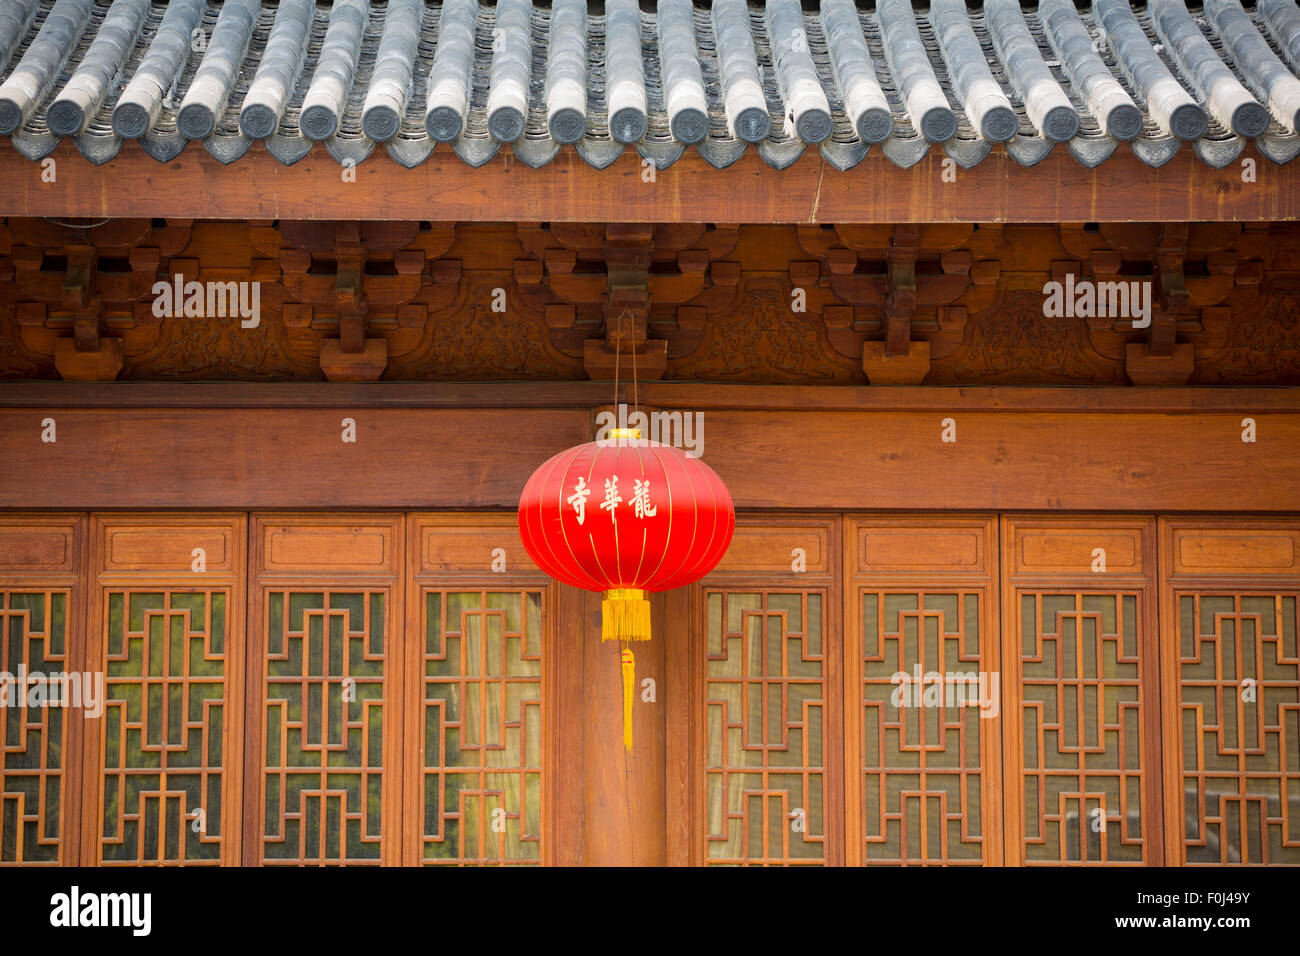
<point>618,356</point>
<point>618,344</point>
<point>627,662</point>
<point>636,402</point>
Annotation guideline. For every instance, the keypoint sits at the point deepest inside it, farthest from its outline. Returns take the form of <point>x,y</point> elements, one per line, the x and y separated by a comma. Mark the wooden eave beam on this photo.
<point>998,189</point>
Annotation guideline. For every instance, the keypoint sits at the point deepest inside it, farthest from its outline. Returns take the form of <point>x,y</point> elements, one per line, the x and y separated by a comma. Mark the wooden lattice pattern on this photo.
<point>1239,726</point>
<point>482,709</point>
<point>765,709</point>
<point>324,694</point>
<point>921,759</point>
<point>164,717</point>
<point>803,755</point>
<point>33,636</point>
<point>1081,684</point>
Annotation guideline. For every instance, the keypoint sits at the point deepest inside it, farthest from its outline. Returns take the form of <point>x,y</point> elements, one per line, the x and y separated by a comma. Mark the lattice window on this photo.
<point>324,726</point>
<point>164,719</point>
<point>921,733</point>
<point>1239,726</point>
<point>33,640</point>
<point>1080,679</point>
<point>482,709</point>
<point>765,700</point>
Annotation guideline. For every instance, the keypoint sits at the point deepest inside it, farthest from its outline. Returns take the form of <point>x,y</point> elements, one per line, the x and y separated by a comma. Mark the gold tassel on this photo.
<point>625,615</point>
<point>629,688</point>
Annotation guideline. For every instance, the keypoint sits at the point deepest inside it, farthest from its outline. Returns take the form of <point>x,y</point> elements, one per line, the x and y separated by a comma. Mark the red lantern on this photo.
<point>625,516</point>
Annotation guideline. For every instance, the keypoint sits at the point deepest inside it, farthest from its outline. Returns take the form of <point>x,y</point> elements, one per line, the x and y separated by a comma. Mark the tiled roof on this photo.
<point>411,76</point>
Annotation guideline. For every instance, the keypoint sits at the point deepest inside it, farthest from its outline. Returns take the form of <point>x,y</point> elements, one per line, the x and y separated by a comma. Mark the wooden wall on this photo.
<point>1117,732</point>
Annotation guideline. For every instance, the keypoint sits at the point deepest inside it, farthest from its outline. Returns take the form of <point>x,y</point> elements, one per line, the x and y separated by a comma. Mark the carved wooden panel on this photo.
<point>776,547</point>
<point>326,698</point>
<point>768,744</point>
<point>476,746</point>
<point>40,633</point>
<point>761,304</point>
<point>922,666</point>
<point>765,703</point>
<point>1081,720</point>
<point>169,639</point>
<point>476,545</point>
<point>482,710</point>
<point>1232,690</point>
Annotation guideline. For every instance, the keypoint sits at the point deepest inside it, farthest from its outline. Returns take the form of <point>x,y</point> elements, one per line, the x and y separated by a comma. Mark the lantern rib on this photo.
<point>668,535</point>
<point>559,508</point>
<point>724,520</point>
<point>695,533</point>
<point>577,562</point>
<point>544,540</point>
<point>540,540</point>
<point>637,579</point>
<point>591,538</point>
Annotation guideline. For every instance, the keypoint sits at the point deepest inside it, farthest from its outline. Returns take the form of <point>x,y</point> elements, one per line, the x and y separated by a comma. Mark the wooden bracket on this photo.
<point>910,368</point>
<point>629,251</point>
<point>900,299</point>
<point>349,288</point>
<point>364,365</point>
<point>86,357</point>
<point>1144,367</point>
<point>1170,297</point>
<point>103,364</point>
<point>1161,360</point>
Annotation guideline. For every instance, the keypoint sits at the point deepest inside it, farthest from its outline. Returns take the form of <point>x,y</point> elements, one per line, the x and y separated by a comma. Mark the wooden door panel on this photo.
<point>1231,685</point>
<point>164,765</point>
<point>480,642</point>
<point>378,688</point>
<point>325,690</point>
<point>42,593</point>
<point>922,678</point>
<point>765,717</point>
<point>1082,713</point>
<point>766,737</point>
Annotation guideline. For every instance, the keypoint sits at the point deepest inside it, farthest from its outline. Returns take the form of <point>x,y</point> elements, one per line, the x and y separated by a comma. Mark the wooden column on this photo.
<point>623,805</point>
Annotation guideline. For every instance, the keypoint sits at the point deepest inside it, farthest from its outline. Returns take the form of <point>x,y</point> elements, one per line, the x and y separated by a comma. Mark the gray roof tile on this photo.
<point>661,78</point>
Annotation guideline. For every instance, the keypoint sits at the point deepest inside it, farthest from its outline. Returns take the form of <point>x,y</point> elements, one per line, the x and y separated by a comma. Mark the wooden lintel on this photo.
<point>443,188</point>
<point>671,395</point>
<point>1085,457</point>
<point>275,459</point>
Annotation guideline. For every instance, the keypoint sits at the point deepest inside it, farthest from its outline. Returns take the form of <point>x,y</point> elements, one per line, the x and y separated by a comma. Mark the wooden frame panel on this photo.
<point>1051,558</point>
<point>755,571</point>
<point>140,556</point>
<point>326,556</point>
<point>457,552</point>
<point>46,553</point>
<point>1223,571</point>
<point>939,554</point>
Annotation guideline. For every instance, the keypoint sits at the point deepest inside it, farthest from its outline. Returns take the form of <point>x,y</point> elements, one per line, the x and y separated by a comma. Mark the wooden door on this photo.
<point>324,674</point>
<point>42,629</point>
<point>384,688</point>
<point>922,684</point>
<point>1082,725</point>
<point>479,645</point>
<point>163,762</point>
<point>1230,596</point>
<point>765,724</point>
